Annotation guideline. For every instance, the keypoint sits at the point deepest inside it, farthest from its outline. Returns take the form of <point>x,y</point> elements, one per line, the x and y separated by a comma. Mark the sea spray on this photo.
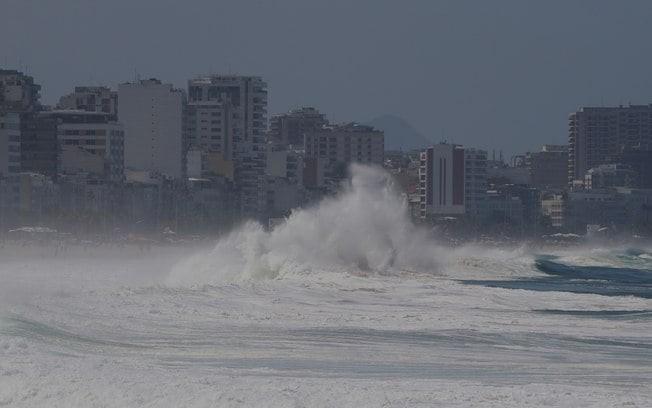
<point>365,227</point>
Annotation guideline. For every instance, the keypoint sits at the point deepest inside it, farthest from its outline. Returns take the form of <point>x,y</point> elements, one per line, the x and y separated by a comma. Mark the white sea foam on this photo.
<point>364,228</point>
<point>343,327</point>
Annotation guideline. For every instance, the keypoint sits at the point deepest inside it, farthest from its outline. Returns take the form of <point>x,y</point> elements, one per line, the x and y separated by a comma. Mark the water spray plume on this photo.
<point>364,228</point>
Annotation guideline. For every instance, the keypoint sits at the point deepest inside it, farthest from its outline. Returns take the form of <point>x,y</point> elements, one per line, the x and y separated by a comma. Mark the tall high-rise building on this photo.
<point>152,115</point>
<point>227,116</point>
<point>441,177</point>
<point>453,181</point>
<point>600,135</point>
<point>475,182</point>
<point>92,99</point>
<point>290,128</point>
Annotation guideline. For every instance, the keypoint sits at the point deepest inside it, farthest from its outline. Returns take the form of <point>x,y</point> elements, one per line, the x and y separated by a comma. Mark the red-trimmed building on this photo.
<point>441,180</point>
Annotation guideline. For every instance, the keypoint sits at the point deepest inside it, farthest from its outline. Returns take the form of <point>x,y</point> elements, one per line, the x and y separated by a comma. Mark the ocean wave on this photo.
<point>364,229</point>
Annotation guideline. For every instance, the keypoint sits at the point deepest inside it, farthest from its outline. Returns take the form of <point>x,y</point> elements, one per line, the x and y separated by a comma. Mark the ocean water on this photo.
<point>347,304</point>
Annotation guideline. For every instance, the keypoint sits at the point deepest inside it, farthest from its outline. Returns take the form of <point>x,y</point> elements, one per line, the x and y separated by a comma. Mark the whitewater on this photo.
<point>346,304</point>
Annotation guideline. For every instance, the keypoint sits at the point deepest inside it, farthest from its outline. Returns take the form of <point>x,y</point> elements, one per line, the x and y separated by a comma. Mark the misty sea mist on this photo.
<point>347,303</point>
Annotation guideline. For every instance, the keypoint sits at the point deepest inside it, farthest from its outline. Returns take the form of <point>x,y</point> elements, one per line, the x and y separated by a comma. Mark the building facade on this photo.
<point>616,208</point>
<point>227,120</point>
<point>610,175</point>
<point>10,144</point>
<point>552,207</point>
<point>91,143</point>
<point>288,129</point>
<point>475,182</point>
<point>92,99</point>
<point>442,183</point>
<point>152,115</point>
<point>330,150</point>
<point>549,167</point>
<point>39,147</point>
<point>18,92</point>
<point>599,136</point>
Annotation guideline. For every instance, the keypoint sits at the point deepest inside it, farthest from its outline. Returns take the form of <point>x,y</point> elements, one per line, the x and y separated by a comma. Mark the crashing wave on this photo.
<point>364,228</point>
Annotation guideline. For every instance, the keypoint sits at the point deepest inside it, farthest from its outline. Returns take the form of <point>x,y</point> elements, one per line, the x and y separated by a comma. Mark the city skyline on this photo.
<point>500,73</point>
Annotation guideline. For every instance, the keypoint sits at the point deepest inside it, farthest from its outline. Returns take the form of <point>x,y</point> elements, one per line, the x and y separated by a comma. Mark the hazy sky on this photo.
<point>501,74</point>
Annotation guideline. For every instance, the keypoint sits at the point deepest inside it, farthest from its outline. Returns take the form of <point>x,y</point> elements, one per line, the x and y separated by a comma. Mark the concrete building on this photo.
<point>549,167</point>
<point>330,150</point>
<point>616,208</point>
<point>39,148</point>
<point>442,181</point>
<point>208,206</point>
<point>38,195</point>
<point>281,196</point>
<point>505,209</point>
<point>475,182</point>
<point>599,135</point>
<point>530,199</point>
<point>289,128</point>
<point>286,164</point>
<point>552,207</point>
<point>9,144</point>
<point>91,143</point>
<point>641,162</point>
<point>18,92</point>
<point>91,99</point>
<point>227,120</point>
<point>152,115</point>
<point>19,100</point>
<point>610,175</point>
<point>500,173</point>
<point>209,131</point>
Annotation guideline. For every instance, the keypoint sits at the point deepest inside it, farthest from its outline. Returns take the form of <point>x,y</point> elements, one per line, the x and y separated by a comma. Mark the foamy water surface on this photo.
<point>348,304</point>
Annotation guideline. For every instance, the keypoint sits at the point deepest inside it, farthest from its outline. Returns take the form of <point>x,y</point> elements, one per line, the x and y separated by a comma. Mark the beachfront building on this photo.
<point>152,115</point>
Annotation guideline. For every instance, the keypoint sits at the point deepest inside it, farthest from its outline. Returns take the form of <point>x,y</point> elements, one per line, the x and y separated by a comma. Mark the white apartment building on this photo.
<point>152,115</point>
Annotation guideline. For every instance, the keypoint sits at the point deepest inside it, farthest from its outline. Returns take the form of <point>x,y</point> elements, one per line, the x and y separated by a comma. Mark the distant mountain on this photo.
<point>399,134</point>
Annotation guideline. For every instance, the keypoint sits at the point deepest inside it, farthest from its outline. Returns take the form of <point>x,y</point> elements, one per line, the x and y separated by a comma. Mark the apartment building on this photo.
<point>599,136</point>
<point>152,115</point>
<point>227,120</point>
<point>330,149</point>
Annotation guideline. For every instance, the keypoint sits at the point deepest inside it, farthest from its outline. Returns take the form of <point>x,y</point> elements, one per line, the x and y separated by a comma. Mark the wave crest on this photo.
<point>364,228</point>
